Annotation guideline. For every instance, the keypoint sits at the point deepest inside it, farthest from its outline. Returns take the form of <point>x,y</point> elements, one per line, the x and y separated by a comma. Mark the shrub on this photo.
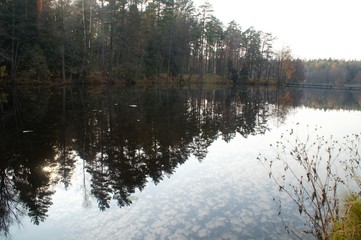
<point>312,172</point>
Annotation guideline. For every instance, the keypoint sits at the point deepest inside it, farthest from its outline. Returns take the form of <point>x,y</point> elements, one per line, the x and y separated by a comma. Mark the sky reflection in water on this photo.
<point>226,195</point>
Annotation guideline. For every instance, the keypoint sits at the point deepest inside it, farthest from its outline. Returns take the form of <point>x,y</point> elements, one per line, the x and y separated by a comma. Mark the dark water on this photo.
<point>152,163</point>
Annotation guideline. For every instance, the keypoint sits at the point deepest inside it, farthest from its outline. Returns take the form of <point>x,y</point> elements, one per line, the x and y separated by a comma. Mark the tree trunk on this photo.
<point>62,42</point>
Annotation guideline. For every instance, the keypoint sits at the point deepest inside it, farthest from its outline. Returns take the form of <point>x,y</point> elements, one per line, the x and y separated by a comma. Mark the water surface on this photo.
<point>154,163</point>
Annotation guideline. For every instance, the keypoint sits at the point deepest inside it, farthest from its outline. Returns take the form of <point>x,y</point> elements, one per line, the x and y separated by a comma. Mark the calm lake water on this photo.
<point>154,163</point>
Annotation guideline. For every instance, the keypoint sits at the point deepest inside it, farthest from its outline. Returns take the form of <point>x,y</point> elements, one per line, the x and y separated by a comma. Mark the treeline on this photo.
<point>334,72</point>
<point>132,40</point>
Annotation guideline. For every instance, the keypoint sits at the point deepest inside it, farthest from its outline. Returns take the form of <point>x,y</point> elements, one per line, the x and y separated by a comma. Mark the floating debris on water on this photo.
<point>133,106</point>
<point>28,131</point>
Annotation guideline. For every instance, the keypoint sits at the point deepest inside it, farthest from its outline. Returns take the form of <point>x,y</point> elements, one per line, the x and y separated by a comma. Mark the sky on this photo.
<point>311,28</point>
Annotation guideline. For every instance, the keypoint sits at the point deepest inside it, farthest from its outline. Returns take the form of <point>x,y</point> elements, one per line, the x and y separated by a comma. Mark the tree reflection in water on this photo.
<point>125,137</point>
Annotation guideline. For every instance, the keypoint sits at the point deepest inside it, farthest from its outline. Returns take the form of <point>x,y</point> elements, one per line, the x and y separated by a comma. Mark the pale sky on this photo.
<point>311,28</point>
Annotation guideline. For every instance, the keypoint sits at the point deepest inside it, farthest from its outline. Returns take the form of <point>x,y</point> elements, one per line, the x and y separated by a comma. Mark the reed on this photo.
<point>348,226</point>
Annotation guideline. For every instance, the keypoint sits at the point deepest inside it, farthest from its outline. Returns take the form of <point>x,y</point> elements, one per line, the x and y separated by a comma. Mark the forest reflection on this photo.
<point>124,136</point>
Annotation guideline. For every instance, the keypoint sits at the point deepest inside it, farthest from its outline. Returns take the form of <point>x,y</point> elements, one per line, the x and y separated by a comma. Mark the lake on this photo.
<point>155,163</point>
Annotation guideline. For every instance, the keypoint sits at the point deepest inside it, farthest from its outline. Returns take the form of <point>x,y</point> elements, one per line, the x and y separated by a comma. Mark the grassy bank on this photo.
<point>348,227</point>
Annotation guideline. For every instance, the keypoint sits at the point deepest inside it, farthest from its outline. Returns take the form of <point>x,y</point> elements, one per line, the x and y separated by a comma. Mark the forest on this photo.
<point>86,41</point>
<point>131,41</point>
